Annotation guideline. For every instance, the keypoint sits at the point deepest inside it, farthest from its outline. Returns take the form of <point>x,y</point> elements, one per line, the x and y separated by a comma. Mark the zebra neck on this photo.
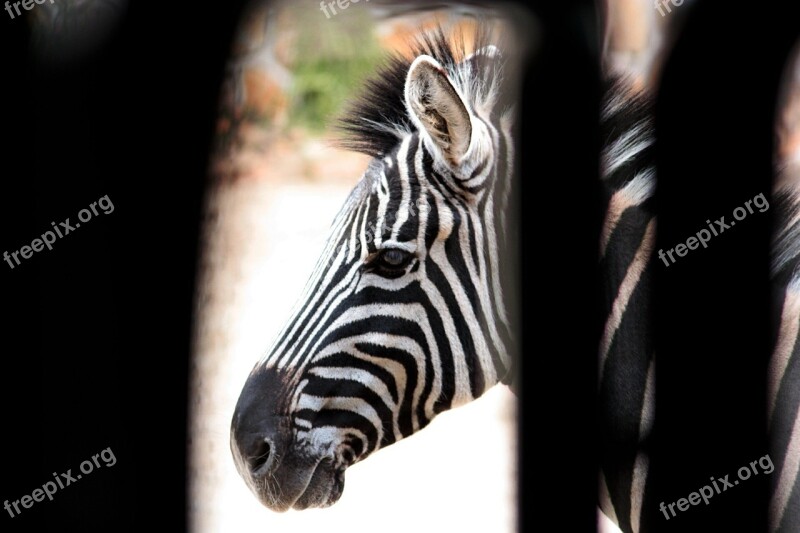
<point>500,214</point>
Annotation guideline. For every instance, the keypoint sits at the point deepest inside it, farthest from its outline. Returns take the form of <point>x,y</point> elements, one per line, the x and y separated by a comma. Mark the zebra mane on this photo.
<point>376,120</point>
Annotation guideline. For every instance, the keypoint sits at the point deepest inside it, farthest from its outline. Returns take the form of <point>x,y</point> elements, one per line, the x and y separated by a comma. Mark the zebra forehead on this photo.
<point>383,177</point>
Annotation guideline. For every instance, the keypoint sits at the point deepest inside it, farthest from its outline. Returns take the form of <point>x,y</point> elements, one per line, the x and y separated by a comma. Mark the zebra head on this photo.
<point>405,314</point>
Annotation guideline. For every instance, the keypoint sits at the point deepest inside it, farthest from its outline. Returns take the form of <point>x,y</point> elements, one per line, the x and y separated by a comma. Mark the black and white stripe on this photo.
<point>627,354</point>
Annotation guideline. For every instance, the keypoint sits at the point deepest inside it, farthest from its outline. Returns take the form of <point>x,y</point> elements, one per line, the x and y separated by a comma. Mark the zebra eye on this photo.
<point>393,259</point>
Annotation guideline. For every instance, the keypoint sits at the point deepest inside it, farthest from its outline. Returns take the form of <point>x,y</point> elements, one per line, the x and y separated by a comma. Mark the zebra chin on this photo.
<point>320,485</point>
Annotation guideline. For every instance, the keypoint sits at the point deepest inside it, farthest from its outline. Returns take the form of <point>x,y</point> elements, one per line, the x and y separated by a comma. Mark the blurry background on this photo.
<point>277,185</point>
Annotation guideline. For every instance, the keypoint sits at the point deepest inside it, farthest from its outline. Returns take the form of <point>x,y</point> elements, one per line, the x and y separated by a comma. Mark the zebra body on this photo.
<point>626,368</point>
<point>404,315</point>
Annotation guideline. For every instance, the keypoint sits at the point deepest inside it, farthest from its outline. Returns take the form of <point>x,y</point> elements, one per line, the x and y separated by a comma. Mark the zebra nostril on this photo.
<point>261,455</point>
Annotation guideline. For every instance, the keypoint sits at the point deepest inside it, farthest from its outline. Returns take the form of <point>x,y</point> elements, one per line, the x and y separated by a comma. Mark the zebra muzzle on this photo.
<point>283,480</point>
<point>282,472</point>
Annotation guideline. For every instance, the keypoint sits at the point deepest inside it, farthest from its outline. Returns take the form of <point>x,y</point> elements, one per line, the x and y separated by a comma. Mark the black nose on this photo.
<point>259,434</point>
<point>257,444</point>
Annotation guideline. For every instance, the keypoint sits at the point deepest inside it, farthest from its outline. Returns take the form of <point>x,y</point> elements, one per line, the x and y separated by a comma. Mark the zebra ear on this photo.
<point>436,108</point>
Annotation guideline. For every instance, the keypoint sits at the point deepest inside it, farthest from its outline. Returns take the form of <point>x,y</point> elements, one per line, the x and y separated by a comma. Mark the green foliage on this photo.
<point>333,57</point>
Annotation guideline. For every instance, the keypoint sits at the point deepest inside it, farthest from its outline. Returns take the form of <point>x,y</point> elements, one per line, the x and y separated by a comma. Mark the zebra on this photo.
<point>407,312</point>
<point>626,363</point>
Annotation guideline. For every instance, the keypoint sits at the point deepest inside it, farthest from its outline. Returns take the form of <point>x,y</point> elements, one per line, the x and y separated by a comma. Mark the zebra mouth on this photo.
<point>324,488</point>
<point>300,486</point>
